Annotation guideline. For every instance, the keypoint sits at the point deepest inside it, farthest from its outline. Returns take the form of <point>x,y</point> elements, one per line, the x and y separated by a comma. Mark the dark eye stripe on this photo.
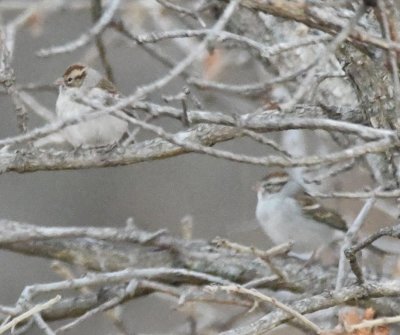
<point>81,76</point>
<point>71,81</point>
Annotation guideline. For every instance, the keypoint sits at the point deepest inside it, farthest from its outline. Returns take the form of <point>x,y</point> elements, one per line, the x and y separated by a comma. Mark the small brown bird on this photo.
<point>286,212</point>
<point>81,81</point>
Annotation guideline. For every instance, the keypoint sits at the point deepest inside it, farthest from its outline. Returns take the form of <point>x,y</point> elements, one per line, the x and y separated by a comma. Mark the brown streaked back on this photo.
<point>313,209</point>
<point>107,85</point>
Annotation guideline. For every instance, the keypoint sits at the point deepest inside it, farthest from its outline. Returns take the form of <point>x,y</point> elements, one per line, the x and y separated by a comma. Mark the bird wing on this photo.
<point>107,85</point>
<point>314,210</point>
<point>112,97</point>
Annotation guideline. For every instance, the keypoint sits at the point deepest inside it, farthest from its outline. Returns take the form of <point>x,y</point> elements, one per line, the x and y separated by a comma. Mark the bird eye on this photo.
<point>69,80</point>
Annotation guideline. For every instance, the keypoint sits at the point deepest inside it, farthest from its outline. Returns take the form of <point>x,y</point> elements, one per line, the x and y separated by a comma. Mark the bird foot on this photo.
<point>109,147</point>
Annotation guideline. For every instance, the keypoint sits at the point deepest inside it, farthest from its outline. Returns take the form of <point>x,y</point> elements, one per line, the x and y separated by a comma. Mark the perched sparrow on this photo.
<point>286,212</point>
<point>80,81</point>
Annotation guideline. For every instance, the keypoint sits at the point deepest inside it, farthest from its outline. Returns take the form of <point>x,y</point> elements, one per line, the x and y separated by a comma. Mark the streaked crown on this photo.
<point>74,75</point>
<point>274,182</point>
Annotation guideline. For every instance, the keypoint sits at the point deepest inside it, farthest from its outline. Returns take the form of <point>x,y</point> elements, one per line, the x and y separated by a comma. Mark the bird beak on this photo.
<point>59,82</point>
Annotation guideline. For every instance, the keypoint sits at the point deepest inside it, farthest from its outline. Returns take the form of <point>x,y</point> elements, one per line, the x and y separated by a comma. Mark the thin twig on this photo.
<point>316,303</point>
<point>62,270</point>
<point>43,324</point>
<point>37,107</point>
<point>96,15</point>
<point>348,240</point>
<point>7,77</point>
<point>117,277</point>
<point>387,231</point>
<point>393,60</point>
<point>129,290</point>
<point>262,282</point>
<point>262,297</point>
<point>182,10</point>
<point>264,140</point>
<point>281,249</point>
<point>250,89</point>
<point>322,58</point>
<point>373,323</point>
<point>85,38</point>
<point>24,328</point>
<point>358,195</point>
<point>329,172</point>
<point>34,310</point>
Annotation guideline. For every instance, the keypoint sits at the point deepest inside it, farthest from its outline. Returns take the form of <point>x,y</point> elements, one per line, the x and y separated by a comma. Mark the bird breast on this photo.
<point>67,107</point>
<point>282,219</point>
<point>274,209</point>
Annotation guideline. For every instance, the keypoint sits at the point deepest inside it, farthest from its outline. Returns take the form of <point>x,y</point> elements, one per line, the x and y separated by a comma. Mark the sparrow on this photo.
<point>286,212</point>
<point>78,83</point>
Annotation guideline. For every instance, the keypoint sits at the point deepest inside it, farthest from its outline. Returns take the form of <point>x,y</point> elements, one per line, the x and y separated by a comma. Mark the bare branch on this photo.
<point>262,297</point>
<point>34,310</point>
<point>84,39</point>
<point>373,323</point>
<point>318,302</point>
<point>348,240</point>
